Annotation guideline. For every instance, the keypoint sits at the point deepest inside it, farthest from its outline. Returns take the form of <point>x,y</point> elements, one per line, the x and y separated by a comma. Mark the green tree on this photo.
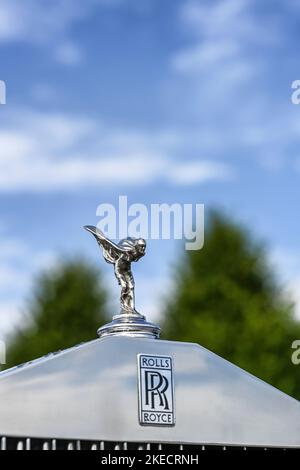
<point>227,299</point>
<point>67,307</point>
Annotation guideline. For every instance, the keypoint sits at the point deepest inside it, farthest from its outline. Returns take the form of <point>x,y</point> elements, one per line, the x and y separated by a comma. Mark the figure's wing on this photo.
<point>111,249</point>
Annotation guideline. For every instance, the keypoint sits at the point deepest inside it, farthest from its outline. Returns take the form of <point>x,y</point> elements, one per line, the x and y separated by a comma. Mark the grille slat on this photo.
<point>17,443</point>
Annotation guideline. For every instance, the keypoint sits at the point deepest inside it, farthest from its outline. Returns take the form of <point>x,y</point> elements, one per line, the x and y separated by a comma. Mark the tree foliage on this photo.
<point>227,299</point>
<point>67,307</point>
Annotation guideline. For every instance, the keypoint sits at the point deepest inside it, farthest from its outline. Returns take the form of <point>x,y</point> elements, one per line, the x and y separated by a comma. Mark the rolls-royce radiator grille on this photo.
<point>14,443</point>
<point>131,394</point>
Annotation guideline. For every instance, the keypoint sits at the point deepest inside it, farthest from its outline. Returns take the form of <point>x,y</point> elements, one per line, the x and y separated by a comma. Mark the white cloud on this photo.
<point>11,278</point>
<point>43,21</point>
<point>221,80</point>
<point>18,260</point>
<point>231,20</point>
<point>15,145</point>
<point>48,24</point>
<point>10,316</point>
<point>48,152</point>
<point>19,263</point>
<point>287,263</point>
<point>37,22</point>
<point>199,172</point>
<point>151,305</point>
<point>200,56</point>
<point>222,32</point>
<point>224,53</point>
<point>11,248</point>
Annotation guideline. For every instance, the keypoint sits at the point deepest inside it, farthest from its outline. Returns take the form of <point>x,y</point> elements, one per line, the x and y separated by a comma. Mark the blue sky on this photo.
<point>183,101</point>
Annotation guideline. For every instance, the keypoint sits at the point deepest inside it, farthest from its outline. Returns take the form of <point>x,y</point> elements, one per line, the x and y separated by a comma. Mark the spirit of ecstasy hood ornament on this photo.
<point>121,255</point>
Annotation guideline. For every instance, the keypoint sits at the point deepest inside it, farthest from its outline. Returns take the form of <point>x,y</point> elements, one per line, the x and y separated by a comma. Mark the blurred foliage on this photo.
<point>67,307</point>
<point>227,299</point>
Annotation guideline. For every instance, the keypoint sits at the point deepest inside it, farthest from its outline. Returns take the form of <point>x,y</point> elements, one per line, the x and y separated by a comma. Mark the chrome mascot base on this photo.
<point>130,324</point>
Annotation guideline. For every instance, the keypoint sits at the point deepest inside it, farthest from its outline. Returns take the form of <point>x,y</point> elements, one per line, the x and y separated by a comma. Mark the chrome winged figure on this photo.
<point>121,255</point>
